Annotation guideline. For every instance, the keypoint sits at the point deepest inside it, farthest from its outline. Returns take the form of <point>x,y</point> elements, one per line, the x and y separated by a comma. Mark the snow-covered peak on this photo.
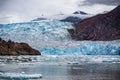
<point>80,12</point>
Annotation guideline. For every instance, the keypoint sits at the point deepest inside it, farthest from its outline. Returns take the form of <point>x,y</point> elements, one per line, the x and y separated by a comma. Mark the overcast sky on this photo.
<point>20,10</point>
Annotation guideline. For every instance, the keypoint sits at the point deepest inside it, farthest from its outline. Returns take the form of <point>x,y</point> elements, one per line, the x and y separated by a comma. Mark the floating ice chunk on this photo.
<point>20,75</point>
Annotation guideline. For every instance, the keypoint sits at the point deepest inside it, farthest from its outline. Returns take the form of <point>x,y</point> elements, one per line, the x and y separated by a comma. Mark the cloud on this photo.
<point>29,9</point>
<point>25,10</point>
<point>96,8</point>
<point>41,6</point>
<point>105,2</point>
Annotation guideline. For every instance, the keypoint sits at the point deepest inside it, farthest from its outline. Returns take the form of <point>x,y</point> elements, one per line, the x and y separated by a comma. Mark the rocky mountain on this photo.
<point>102,27</point>
<point>12,48</point>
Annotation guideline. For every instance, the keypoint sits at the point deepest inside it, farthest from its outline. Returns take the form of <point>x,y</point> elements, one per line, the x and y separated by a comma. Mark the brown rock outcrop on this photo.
<point>12,48</point>
<point>102,27</point>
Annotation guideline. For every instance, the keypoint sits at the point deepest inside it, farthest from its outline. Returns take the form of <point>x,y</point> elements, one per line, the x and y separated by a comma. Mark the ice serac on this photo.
<point>12,48</point>
<point>102,27</point>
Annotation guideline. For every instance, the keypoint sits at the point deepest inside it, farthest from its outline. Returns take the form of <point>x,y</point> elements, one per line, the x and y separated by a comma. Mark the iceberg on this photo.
<point>51,37</point>
<point>20,75</point>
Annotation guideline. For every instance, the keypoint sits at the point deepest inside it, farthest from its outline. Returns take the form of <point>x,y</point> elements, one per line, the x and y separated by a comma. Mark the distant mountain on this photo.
<point>38,19</point>
<point>71,19</point>
<point>74,17</point>
<point>80,12</point>
<point>102,27</point>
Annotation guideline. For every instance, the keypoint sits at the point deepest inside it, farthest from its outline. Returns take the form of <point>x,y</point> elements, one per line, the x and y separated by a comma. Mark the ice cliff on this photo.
<point>52,38</point>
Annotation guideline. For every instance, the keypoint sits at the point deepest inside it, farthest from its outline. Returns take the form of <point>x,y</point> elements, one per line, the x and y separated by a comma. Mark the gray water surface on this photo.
<point>64,71</point>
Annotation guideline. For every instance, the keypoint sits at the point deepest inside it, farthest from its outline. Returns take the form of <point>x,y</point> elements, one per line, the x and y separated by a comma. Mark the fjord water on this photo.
<point>60,67</point>
<point>62,58</point>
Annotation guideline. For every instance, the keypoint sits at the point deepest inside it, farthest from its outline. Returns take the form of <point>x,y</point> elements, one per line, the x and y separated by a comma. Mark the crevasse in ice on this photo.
<point>52,38</point>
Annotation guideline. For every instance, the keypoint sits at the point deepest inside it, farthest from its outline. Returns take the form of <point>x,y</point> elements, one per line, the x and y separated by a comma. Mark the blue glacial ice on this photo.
<point>87,48</point>
<point>52,38</point>
<point>44,30</point>
<point>20,75</point>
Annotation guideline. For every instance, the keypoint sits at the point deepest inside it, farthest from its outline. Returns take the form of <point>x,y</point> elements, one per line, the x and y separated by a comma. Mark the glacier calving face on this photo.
<point>52,38</point>
<point>85,48</point>
<point>44,31</point>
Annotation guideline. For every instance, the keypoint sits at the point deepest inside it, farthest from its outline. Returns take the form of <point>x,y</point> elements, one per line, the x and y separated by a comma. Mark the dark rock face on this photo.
<point>103,27</point>
<point>71,19</point>
<point>11,48</point>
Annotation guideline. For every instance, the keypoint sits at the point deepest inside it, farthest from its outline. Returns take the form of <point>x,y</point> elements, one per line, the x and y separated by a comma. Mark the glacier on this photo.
<point>51,37</point>
<point>86,49</point>
<point>43,30</point>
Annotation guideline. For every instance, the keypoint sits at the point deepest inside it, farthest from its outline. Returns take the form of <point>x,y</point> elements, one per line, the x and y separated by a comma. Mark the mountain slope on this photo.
<point>103,27</point>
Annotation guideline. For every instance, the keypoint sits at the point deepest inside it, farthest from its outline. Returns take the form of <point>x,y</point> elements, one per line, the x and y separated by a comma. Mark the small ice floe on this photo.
<point>20,75</point>
<point>74,63</point>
